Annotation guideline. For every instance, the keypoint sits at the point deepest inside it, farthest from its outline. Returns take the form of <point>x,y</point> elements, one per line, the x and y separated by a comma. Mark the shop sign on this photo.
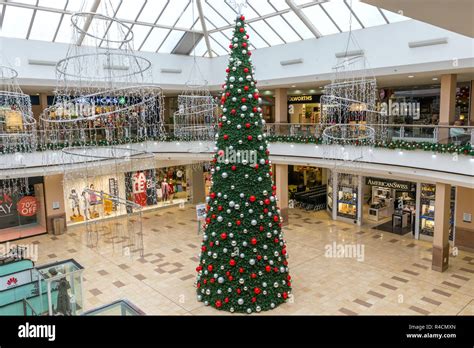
<point>392,184</point>
<point>6,205</point>
<point>201,211</point>
<point>27,206</point>
<point>17,279</point>
<point>304,99</point>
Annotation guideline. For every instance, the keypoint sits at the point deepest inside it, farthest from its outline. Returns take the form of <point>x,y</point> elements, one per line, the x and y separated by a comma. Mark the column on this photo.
<point>441,231</point>
<point>335,180</point>
<point>281,110</point>
<point>447,105</point>
<point>360,194</point>
<point>281,182</point>
<point>470,120</point>
<point>196,182</point>
<point>417,210</point>
<point>54,200</point>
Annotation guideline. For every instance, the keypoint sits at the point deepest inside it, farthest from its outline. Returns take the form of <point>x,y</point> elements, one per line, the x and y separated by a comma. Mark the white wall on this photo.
<point>386,48</point>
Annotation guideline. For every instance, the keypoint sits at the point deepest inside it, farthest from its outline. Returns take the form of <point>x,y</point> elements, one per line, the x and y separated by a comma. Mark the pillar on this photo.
<point>335,192</point>
<point>417,210</point>
<point>281,109</point>
<point>54,200</point>
<point>441,231</point>
<point>196,182</point>
<point>360,203</point>
<point>470,120</point>
<point>447,105</point>
<point>281,182</point>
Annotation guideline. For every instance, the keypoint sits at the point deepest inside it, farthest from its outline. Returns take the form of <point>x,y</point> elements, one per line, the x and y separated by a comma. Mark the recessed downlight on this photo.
<point>411,76</point>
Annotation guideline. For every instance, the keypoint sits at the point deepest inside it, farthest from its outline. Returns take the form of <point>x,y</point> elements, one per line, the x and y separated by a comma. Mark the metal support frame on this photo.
<point>204,27</point>
<point>303,18</point>
<point>88,22</point>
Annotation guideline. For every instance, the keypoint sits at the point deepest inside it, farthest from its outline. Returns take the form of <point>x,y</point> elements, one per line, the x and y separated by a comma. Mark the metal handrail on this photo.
<point>26,305</point>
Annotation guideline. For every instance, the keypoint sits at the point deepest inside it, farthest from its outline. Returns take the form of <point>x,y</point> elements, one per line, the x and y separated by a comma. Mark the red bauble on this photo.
<point>226,300</point>
<point>227,70</point>
<point>247,125</point>
<point>233,111</point>
<point>249,53</point>
<point>285,295</point>
<point>254,299</point>
<point>276,218</point>
<point>256,95</point>
<point>246,70</point>
<point>218,304</point>
<point>275,269</point>
<point>246,88</point>
<point>259,257</point>
<point>213,216</point>
<point>231,278</point>
<point>239,291</point>
<point>255,109</point>
<point>203,248</point>
<point>283,251</point>
<point>253,275</point>
<point>212,280</point>
<point>288,283</point>
<point>226,137</point>
<point>252,199</point>
<point>220,208</point>
<point>231,46</point>
<point>266,201</point>
<point>232,262</point>
<point>276,240</point>
<point>268,268</point>
<point>213,195</point>
<point>241,30</point>
<point>209,268</point>
<point>223,235</point>
<point>234,168</point>
<point>256,291</point>
<point>247,36</point>
<point>249,138</point>
<point>208,220</point>
<point>265,210</point>
<point>238,222</point>
<point>241,270</point>
<point>227,273</point>
<point>227,95</point>
<point>211,244</point>
<point>220,124</point>
<point>242,18</point>
<point>274,187</point>
<point>253,241</point>
<point>198,268</point>
<point>244,44</point>
<point>256,166</point>
<point>261,228</point>
<point>244,100</point>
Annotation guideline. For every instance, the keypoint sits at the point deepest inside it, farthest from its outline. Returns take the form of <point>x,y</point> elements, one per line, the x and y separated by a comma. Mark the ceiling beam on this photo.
<point>3,13</point>
<point>303,18</point>
<point>66,12</point>
<point>88,22</point>
<point>204,27</point>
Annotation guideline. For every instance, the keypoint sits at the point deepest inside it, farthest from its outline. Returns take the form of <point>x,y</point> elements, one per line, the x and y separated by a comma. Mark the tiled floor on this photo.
<point>393,277</point>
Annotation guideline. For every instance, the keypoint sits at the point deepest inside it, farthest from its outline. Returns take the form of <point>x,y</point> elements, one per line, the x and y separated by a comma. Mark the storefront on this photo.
<point>348,197</point>
<point>304,109</point>
<point>427,211</point>
<point>391,203</point>
<point>94,198</point>
<point>307,187</point>
<point>22,208</point>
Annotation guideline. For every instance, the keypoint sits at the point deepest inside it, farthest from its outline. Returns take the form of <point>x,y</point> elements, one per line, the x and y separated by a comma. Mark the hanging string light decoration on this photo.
<point>103,95</point>
<point>17,124</point>
<point>195,117</point>
<point>349,115</point>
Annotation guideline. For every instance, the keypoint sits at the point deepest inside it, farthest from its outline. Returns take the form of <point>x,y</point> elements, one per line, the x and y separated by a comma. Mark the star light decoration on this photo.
<point>238,5</point>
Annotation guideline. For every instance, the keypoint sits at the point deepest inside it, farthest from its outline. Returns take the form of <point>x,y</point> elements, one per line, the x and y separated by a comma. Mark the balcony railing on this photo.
<point>57,139</point>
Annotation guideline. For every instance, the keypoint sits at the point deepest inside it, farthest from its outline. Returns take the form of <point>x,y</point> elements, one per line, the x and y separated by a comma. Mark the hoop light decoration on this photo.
<point>17,125</point>
<point>104,92</point>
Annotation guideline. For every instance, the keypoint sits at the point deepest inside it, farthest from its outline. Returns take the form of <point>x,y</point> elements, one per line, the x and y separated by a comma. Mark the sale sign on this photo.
<point>27,206</point>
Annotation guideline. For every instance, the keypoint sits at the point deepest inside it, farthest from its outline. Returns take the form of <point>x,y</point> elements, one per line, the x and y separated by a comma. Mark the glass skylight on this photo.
<point>158,25</point>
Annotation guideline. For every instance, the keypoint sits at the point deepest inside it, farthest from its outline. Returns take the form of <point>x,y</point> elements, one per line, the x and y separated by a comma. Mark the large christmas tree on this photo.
<point>243,263</point>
